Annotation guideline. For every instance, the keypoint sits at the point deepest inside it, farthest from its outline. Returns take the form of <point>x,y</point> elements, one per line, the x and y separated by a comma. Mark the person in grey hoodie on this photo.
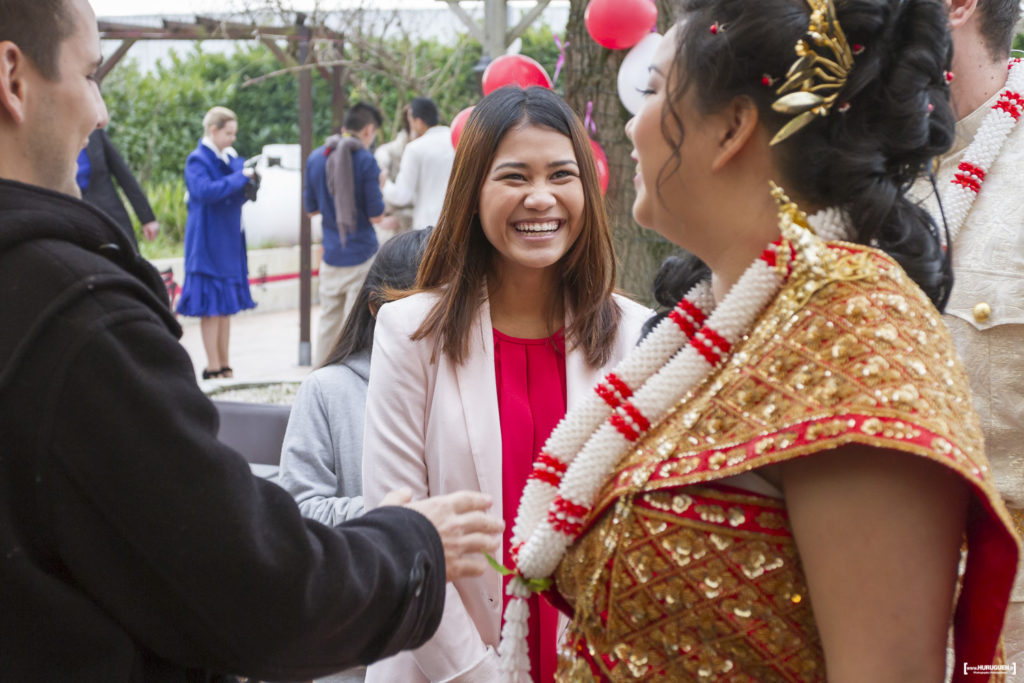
<point>321,456</point>
<point>323,444</point>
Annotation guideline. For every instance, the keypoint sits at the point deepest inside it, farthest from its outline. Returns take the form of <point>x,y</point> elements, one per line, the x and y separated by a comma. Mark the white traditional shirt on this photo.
<point>985,313</point>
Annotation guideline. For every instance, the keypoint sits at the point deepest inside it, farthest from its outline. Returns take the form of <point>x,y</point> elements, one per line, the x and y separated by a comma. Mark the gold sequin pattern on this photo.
<point>1018,521</point>
<point>696,598</point>
<point>860,360</point>
<point>852,353</point>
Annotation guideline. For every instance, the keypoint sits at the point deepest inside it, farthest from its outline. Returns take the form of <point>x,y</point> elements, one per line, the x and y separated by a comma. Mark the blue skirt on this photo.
<point>205,295</point>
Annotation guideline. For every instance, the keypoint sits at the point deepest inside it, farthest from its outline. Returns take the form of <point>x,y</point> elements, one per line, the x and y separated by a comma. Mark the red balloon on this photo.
<point>514,70</point>
<point>458,123</point>
<point>601,161</point>
<point>619,24</point>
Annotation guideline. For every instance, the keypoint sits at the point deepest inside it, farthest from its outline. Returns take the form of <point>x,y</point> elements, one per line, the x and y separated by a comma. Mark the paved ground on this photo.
<point>264,346</point>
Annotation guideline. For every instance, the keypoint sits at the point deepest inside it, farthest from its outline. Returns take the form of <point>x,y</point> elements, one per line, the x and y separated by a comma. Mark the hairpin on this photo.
<point>949,76</point>
<point>857,49</point>
<point>767,81</point>
<point>813,81</point>
<point>716,27</point>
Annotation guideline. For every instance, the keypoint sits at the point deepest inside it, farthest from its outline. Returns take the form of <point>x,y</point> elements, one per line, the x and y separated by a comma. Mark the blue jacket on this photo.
<point>214,241</point>
<point>361,244</point>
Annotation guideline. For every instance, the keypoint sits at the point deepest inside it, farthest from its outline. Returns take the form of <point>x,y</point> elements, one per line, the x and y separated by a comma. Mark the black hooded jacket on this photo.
<point>133,545</point>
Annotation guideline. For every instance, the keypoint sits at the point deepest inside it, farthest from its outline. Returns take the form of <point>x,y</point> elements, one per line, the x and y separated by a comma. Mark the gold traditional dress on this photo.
<point>680,575</point>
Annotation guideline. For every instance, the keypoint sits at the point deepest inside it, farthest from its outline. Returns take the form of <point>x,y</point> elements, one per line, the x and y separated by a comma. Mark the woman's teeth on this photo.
<point>549,226</point>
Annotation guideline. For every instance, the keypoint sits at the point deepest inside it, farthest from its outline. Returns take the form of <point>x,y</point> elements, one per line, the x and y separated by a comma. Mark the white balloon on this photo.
<point>633,72</point>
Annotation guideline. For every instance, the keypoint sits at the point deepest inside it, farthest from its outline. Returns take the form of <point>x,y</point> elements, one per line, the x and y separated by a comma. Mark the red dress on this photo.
<point>530,376</point>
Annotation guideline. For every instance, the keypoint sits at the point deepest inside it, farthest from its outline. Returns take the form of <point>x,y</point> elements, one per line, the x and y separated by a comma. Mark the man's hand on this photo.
<point>150,230</point>
<point>466,531</point>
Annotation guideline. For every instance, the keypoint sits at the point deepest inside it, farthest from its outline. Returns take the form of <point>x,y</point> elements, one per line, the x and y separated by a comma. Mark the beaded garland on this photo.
<point>676,356</point>
<point>984,149</point>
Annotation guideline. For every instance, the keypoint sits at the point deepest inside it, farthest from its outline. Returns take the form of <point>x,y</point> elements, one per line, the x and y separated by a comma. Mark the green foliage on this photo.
<point>1018,43</point>
<point>168,201</point>
<point>156,118</point>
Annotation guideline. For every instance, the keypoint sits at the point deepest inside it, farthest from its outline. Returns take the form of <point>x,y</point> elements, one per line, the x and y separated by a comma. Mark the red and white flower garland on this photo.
<point>581,452</point>
<point>984,149</point>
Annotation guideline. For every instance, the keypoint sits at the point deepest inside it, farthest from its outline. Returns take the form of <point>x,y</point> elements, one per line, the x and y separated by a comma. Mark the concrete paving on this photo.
<point>264,346</point>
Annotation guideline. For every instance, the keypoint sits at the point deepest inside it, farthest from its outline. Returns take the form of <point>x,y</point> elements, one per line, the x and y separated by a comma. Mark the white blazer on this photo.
<point>434,427</point>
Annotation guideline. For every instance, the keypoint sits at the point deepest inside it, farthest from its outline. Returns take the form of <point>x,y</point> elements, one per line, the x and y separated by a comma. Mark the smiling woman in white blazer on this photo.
<point>523,249</point>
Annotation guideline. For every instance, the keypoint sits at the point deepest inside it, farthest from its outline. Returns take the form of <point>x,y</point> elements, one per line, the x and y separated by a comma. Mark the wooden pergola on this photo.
<point>299,37</point>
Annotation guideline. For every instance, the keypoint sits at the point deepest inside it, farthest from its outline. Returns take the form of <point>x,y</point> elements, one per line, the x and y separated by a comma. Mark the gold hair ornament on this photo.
<point>813,81</point>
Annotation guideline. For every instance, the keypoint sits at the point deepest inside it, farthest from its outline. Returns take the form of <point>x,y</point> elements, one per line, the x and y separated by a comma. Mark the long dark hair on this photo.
<point>458,256</point>
<point>394,267</point>
<point>862,159</point>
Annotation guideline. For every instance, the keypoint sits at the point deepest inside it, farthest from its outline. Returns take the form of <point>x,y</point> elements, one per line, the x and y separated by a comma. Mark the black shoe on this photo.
<point>226,372</point>
<point>213,374</point>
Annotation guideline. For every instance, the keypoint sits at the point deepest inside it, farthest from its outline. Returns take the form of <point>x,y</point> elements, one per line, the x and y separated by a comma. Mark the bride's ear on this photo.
<point>739,123</point>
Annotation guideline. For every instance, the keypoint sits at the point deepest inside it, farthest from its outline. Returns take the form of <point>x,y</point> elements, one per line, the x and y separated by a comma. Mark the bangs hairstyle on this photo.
<point>39,29</point>
<point>458,257</point>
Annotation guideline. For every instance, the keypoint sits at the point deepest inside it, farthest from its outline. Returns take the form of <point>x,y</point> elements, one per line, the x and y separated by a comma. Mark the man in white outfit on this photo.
<point>426,165</point>
<point>979,183</point>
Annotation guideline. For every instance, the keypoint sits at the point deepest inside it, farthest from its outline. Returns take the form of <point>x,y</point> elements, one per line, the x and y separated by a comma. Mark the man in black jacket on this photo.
<point>105,164</point>
<point>133,546</point>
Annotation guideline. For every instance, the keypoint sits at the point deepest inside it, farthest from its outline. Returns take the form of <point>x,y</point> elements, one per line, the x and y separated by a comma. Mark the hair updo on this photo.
<point>890,118</point>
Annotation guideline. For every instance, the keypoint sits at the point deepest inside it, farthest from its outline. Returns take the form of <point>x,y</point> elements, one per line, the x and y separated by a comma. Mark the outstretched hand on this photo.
<point>150,230</point>
<point>466,530</point>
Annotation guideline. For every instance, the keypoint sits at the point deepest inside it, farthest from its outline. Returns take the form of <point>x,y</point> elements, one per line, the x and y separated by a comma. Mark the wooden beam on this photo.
<point>339,98</point>
<point>495,27</point>
<point>527,19</point>
<point>111,61</point>
<point>203,28</point>
<point>282,56</point>
<point>474,28</point>
<point>305,229</point>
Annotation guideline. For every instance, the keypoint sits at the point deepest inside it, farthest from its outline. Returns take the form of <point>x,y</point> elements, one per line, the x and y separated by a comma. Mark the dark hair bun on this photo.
<point>890,119</point>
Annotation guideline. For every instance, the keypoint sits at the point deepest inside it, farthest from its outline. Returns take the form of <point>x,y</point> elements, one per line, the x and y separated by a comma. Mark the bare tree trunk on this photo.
<point>590,77</point>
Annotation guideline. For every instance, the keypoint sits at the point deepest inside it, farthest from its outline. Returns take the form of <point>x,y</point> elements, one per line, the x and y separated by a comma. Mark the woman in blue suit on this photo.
<point>216,268</point>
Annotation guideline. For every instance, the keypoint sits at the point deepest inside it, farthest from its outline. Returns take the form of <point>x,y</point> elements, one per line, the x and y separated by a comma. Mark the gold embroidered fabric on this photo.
<point>703,585</point>
<point>667,583</point>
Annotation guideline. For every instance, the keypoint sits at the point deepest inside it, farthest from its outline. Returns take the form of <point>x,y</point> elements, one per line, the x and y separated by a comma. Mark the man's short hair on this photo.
<point>361,114</point>
<point>998,23</point>
<point>424,109</point>
<point>38,28</point>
